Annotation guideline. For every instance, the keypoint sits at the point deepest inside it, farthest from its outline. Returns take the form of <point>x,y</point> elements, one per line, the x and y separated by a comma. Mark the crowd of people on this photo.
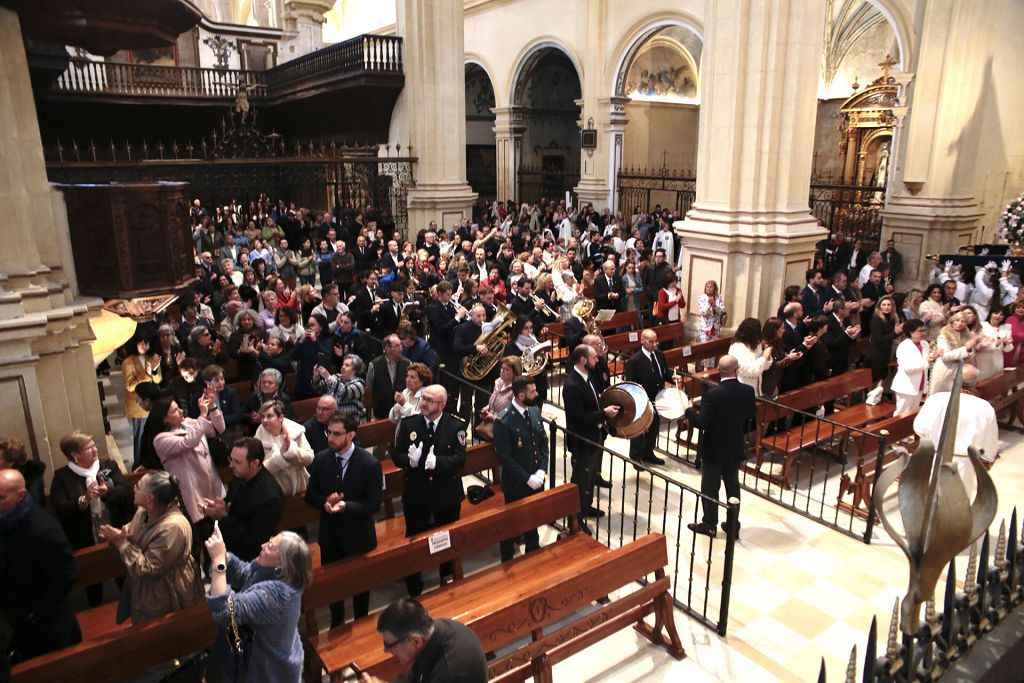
<point>376,326</point>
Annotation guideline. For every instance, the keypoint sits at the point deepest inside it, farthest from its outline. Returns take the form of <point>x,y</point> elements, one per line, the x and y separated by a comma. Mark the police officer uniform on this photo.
<point>431,497</point>
<point>522,446</point>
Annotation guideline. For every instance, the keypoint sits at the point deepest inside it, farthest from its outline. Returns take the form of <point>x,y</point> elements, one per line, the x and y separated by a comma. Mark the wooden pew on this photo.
<point>512,601</point>
<point>811,434</point>
<point>1006,394</point>
<point>623,345</point>
<point>556,331</point>
<point>124,651</point>
<point>894,429</point>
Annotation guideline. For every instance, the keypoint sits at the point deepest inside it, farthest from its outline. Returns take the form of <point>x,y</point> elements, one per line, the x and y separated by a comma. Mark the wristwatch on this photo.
<point>220,567</point>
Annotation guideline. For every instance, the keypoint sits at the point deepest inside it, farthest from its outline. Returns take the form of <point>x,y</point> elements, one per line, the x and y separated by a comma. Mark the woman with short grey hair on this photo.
<point>262,598</point>
<point>348,387</point>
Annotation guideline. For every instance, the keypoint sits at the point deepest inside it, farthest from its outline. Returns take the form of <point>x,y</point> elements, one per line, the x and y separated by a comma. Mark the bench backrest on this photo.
<point>354,575</point>
<point>479,458</point>
<point>1000,389</point>
<point>817,393</point>
<point>898,428</point>
<point>692,355</point>
<point>630,319</point>
<point>628,342</point>
<point>131,651</point>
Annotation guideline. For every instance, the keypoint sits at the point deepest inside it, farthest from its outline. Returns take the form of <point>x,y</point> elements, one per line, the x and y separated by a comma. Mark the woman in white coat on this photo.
<point>288,453</point>
<point>911,380</point>
<point>954,343</point>
<point>753,358</point>
<point>999,340</point>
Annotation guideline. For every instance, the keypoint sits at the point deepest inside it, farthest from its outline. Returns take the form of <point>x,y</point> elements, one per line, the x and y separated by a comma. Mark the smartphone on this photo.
<point>323,360</point>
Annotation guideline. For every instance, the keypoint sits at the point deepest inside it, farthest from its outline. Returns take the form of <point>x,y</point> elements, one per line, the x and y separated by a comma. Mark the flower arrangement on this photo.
<point>1011,223</point>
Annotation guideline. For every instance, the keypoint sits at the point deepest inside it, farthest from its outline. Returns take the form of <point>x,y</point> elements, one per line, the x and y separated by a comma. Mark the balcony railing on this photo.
<point>361,56</point>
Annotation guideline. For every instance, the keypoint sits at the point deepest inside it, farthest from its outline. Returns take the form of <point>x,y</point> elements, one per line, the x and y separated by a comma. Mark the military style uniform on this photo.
<point>431,497</point>
<point>522,446</point>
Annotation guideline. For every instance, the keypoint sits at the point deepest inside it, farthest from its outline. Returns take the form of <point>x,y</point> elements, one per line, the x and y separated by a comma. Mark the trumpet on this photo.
<point>547,309</point>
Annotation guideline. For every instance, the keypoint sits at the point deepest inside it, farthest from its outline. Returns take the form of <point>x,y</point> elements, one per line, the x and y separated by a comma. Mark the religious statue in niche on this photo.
<point>881,174</point>
<point>662,71</point>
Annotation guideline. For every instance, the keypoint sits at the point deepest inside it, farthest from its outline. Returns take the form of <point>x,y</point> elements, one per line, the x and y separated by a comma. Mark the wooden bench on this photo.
<point>894,429</point>
<point>556,331</point>
<point>623,345</point>
<point>1006,394</point>
<point>810,434</point>
<point>122,651</point>
<point>515,600</point>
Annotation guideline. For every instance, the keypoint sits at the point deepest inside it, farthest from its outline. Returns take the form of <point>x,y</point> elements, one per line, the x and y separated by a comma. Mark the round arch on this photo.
<point>530,54</point>
<point>902,27</point>
<point>634,39</point>
<point>473,58</point>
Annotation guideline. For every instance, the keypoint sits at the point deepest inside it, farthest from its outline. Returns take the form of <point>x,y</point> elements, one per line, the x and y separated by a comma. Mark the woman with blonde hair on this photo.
<point>885,326</point>
<point>712,312</point>
<point>501,397</point>
<point>954,343</point>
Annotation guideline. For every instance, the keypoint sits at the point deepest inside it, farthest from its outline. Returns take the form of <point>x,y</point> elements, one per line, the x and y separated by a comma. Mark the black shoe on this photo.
<point>584,527</point>
<point>705,529</point>
<point>593,512</point>
<point>654,460</point>
<point>603,483</point>
<point>725,530</point>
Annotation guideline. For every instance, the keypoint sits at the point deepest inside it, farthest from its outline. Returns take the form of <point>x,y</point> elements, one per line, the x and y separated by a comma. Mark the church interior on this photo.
<point>762,129</point>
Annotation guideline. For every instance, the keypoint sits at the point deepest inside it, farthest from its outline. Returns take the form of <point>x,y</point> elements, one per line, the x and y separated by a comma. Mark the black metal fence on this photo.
<point>992,589</point>
<point>641,501</point>
<point>550,184</point>
<point>636,185</point>
<point>850,210</point>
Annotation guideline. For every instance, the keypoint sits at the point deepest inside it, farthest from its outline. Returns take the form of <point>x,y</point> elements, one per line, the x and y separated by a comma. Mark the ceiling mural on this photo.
<point>662,71</point>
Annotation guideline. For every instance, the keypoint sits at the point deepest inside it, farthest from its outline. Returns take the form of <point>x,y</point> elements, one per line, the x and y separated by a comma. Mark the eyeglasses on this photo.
<point>388,647</point>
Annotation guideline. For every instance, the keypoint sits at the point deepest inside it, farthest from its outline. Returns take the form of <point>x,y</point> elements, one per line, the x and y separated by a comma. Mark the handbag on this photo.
<point>239,646</point>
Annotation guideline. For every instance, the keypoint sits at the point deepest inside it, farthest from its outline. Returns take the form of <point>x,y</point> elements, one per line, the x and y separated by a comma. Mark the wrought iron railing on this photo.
<point>636,185</point>
<point>850,210</point>
<point>992,589</point>
<point>536,183</point>
<point>362,55</point>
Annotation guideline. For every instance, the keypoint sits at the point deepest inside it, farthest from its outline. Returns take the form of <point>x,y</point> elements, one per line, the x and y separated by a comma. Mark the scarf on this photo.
<point>95,505</point>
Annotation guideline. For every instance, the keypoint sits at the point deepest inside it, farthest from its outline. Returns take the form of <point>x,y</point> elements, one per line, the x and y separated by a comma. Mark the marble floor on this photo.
<point>800,591</point>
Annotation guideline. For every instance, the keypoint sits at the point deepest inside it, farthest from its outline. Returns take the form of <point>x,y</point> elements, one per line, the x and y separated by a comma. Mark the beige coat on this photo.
<point>162,575</point>
<point>289,467</point>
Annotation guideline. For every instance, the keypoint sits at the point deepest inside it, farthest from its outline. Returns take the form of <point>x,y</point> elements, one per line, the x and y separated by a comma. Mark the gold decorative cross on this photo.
<point>886,64</point>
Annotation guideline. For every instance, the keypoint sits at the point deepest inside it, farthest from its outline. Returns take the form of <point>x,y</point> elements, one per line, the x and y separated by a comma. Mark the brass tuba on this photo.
<point>535,358</point>
<point>477,366</point>
<point>584,309</point>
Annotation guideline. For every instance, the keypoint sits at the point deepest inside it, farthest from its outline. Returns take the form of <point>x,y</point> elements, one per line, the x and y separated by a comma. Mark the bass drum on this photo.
<point>671,403</point>
<point>636,411</point>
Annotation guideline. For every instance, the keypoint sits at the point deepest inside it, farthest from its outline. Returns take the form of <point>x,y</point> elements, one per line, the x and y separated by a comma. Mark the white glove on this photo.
<point>536,479</point>
<point>430,462</point>
<point>949,266</point>
<point>991,265</point>
<point>984,252</point>
<point>1007,264</point>
<point>415,450</point>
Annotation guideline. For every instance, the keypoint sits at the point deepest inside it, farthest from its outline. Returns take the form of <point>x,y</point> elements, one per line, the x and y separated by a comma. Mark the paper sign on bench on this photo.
<point>442,540</point>
<point>687,351</point>
<point>633,336</point>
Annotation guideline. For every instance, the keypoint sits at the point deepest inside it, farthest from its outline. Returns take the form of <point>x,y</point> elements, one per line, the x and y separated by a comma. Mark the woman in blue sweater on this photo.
<point>256,606</point>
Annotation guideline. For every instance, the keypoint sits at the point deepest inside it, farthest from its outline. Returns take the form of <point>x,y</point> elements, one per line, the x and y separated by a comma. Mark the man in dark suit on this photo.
<point>893,259</point>
<point>464,345</point>
<point>38,572</point>
<point>346,485</point>
<point>522,446</point>
<point>385,376</point>
<point>575,330</point>
<point>390,312</point>
<point>252,509</point>
<point>584,420</point>
<point>609,291</point>
<point>840,338</point>
<point>794,338</point>
<point>316,426</point>
<point>431,449</point>
<point>725,412</point>
<point>813,296</point>
<point>443,316</point>
<point>648,368</point>
<point>364,306</point>
<point>392,258</point>
<point>363,255</point>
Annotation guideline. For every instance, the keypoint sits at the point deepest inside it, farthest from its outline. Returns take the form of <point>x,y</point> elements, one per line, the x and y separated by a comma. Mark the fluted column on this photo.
<point>509,126</point>
<point>750,228</point>
<point>433,53</point>
<point>599,167</point>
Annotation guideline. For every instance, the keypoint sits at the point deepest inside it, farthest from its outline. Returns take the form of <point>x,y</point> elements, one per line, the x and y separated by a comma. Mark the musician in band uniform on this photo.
<point>464,345</point>
<point>522,446</point>
<point>431,450</point>
<point>648,368</point>
<point>443,317</point>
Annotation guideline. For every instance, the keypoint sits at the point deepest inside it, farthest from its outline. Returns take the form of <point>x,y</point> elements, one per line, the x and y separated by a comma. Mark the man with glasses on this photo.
<point>346,486</point>
<point>316,426</point>
<point>435,649</point>
<point>431,449</point>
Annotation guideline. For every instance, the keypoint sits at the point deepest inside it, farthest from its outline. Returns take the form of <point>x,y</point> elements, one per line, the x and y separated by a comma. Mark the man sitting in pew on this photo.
<point>431,448</point>
<point>437,650</point>
<point>522,446</point>
<point>346,486</point>
<point>316,426</point>
<point>250,513</point>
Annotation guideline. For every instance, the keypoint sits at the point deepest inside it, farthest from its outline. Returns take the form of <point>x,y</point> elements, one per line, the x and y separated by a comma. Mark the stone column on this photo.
<point>433,53</point>
<point>599,167</point>
<point>750,228</point>
<point>931,205</point>
<point>509,126</point>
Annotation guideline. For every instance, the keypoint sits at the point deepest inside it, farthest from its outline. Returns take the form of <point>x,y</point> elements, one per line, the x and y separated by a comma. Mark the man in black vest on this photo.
<point>346,485</point>
<point>522,446</point>
<point>386,376</point>
<point>648,368</point>
<point>249,514</point>
<point>725,412</point>
<point>431,449</point>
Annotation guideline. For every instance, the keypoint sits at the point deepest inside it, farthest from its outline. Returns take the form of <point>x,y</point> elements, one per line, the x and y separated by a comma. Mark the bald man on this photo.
<point>37,571</point>
<point>648,368</point>
<point>725,413</point>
